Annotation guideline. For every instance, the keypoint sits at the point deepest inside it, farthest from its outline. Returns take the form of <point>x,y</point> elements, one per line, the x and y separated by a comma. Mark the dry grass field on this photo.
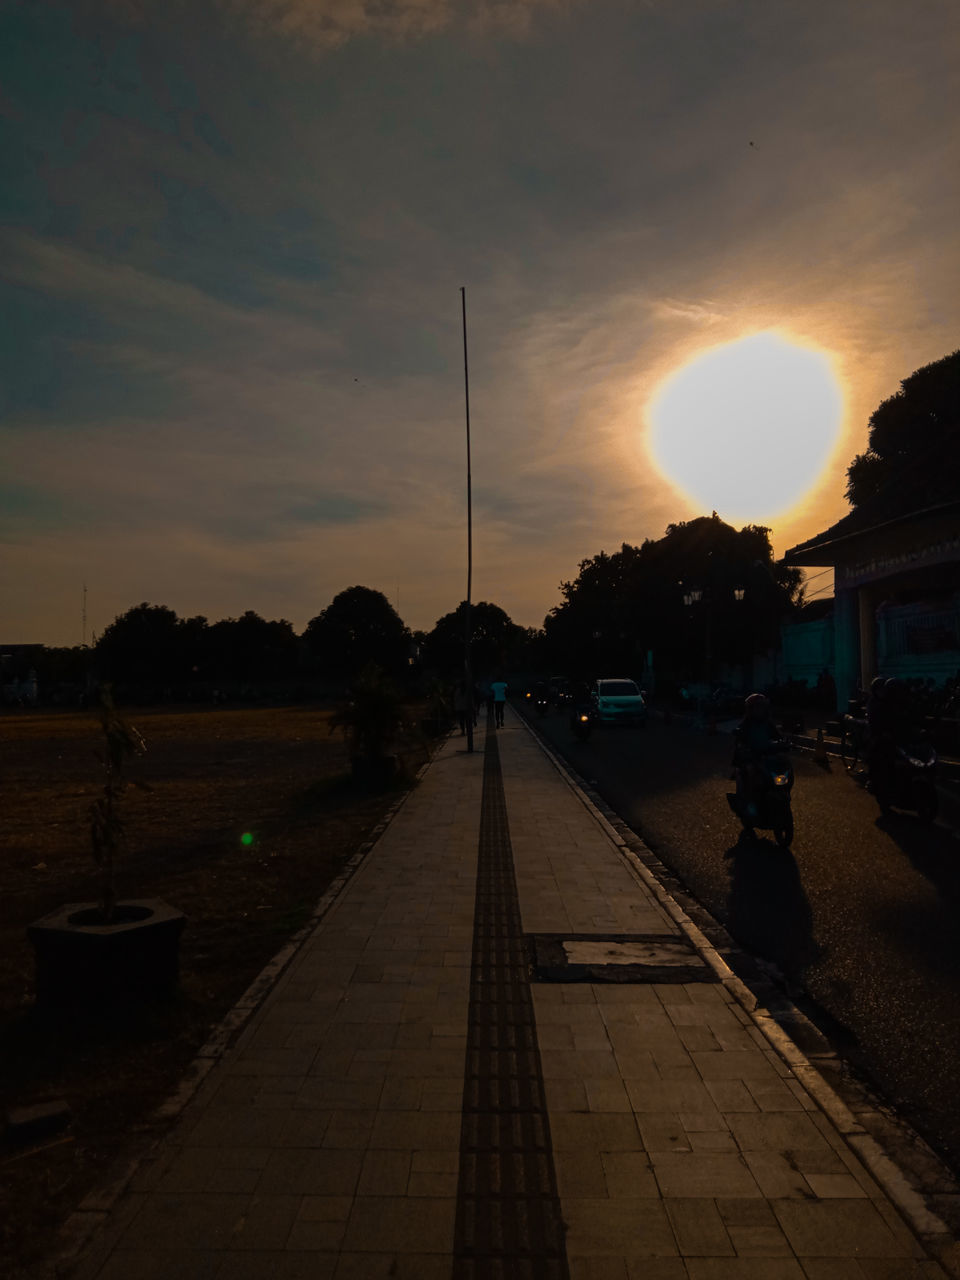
<point>275,773</point>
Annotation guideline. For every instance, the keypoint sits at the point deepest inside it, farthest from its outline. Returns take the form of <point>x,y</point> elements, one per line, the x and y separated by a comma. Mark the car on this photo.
<point>560,690</point>
<point>618,700</point>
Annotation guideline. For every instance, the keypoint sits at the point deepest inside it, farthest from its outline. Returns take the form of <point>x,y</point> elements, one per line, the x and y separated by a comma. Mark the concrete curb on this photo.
<point>79,1230</point>
<point>925,1224</point>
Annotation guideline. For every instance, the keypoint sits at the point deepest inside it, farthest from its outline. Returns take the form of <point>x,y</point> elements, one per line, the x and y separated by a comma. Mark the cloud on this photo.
<point>235,368</point>
<point>326,24</point>
<point>696,312</point>
<point>320,26</point>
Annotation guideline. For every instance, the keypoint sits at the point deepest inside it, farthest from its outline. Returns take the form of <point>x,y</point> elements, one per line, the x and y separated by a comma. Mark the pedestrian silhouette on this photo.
<point>499,690</point>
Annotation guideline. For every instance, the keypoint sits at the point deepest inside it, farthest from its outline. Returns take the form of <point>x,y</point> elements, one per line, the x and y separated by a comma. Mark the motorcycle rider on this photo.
<point>892,725</point>
<point>878,725</point>
<point>754,737</point>
<point>875,705</point>
<point>580,703</point>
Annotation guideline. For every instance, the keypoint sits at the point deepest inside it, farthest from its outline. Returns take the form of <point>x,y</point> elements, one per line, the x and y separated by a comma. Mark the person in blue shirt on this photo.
<point>499,690</point>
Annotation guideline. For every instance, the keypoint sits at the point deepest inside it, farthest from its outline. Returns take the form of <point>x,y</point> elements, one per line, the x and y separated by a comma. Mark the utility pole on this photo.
<point>83,617</point>
<point>467,625</point>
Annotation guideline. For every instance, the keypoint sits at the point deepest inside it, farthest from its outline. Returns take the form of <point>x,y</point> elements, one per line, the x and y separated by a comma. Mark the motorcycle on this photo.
<point>910,783</point>
<point>581,722</point>
<point>543,704</point>
<point>762,798</point>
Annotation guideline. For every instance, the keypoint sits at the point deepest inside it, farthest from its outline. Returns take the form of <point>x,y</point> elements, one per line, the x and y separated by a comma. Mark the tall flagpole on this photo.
<point>467,626</point>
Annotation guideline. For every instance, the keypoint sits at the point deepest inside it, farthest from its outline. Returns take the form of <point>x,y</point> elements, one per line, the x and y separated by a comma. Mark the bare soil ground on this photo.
<point>275,773</point>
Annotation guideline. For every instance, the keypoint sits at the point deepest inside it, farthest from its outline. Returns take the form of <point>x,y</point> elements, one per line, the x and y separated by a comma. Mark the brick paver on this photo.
<point>327,1143</point>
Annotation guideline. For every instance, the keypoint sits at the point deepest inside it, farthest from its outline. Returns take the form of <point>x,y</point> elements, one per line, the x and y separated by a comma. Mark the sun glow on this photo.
<point>746,428</point>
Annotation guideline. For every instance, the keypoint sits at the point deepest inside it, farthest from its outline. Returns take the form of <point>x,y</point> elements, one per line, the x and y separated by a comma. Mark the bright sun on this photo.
<point>746,428</point>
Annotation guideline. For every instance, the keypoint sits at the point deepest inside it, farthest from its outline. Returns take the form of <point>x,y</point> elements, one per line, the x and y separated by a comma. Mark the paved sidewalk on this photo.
<point>409,1102</point>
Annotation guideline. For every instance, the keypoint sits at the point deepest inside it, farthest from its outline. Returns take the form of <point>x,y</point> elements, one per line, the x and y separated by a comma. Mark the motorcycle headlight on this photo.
<point>584,719</point>
<point>781,779</point>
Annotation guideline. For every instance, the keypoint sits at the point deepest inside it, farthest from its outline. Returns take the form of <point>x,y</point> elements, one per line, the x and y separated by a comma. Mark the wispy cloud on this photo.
<point>322,25</point>
<point>232,252</point>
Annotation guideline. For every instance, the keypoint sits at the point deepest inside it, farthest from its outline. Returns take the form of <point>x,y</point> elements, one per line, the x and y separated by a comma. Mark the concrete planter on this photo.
<point>80,960</point>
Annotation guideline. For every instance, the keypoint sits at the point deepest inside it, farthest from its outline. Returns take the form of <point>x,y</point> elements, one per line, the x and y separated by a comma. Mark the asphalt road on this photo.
<point>861,914</point>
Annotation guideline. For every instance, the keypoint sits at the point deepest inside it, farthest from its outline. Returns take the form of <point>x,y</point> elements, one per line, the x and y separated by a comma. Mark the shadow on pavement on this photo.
<point>933,850</point>
<point>926,928</point>
<point>768,910</point>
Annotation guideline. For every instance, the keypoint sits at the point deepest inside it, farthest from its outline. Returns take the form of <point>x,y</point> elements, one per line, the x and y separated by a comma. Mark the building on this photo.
<point>896,610</point>
<point>807,643</point>
<point>18,675</point>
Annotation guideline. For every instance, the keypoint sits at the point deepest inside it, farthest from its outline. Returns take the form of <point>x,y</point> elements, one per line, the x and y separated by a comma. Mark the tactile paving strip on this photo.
<point>508,1207</point>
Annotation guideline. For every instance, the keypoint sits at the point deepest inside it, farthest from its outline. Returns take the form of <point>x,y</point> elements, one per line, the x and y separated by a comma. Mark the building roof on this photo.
<point>863,520</point>
<point>925,482</point>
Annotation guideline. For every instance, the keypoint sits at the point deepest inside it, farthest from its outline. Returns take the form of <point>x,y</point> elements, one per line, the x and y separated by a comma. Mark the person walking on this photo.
<point>499,691</point>
<point>461,702</point>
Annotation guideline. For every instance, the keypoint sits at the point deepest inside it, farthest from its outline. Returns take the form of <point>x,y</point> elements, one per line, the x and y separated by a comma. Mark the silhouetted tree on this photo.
<point>141,647</point>
<point>494,640</point>
<point>149,648</point>
<point>357,629</point>
<point>912,458</point>
<point>250,648</point>
<point>624,604</point>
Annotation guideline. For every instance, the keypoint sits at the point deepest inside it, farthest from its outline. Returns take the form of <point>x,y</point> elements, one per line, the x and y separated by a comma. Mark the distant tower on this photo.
<point>83,616</point>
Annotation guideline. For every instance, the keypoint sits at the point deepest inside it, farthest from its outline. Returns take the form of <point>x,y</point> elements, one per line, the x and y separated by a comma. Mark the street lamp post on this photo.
<point>738,595</point>
<point>467,625</point>
<point>691,597</point>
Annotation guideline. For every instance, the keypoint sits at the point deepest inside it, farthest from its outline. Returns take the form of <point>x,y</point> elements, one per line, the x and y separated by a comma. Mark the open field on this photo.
<point>276,773</point>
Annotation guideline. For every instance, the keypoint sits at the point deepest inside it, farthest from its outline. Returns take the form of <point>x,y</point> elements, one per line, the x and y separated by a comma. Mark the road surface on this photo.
<point>861,914</point>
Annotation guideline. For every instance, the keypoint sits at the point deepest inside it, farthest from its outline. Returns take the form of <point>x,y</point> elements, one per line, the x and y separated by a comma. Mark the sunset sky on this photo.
<point>233,233</point>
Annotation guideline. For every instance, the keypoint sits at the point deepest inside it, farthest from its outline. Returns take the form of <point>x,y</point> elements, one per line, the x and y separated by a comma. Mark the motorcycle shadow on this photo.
<point>768,911</point>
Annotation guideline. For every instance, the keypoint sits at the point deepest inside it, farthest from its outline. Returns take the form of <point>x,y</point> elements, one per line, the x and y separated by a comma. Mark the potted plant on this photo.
<point>371,720</point>
<point>95,951</point>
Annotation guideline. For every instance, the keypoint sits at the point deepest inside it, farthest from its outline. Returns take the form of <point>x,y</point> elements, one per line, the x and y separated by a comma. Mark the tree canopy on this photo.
<point>141,646</point>
<point>913,450</point>
<point>149,646</point>
<point>623,604</point>
<point>495,639</point>
<point>358,628</point>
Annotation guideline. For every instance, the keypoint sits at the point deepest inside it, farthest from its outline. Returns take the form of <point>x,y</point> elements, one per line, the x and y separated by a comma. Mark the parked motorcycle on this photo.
<point>762,798</point>
<point>909,784</point>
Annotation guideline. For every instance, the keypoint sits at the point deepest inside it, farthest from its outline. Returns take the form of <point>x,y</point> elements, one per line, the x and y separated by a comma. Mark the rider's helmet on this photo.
<point>877,685</point>
<point>758,704</point>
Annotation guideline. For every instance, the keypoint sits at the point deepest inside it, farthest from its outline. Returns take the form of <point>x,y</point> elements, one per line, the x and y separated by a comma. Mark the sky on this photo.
<point>233,235</point>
